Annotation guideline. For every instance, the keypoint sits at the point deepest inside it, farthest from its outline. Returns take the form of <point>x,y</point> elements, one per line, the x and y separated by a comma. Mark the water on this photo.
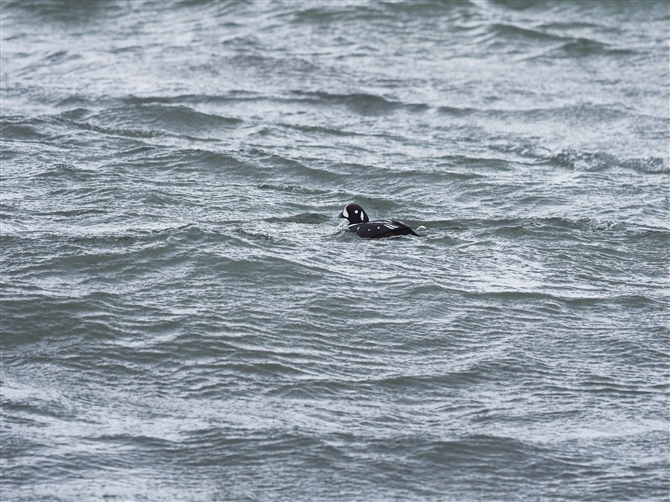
<point>183,318</point>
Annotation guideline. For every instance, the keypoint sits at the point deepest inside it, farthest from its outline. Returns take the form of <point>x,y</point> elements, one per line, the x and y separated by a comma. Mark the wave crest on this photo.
<point>598,161</point>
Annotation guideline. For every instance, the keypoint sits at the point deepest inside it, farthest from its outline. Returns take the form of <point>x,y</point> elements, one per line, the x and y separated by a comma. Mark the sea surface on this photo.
<point>183,317</point>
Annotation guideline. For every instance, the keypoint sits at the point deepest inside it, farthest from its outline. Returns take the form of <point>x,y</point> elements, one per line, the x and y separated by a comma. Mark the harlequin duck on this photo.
<point>360,224</point>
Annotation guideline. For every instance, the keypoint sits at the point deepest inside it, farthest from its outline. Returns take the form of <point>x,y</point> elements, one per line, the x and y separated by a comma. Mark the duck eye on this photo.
<point>356,211</point>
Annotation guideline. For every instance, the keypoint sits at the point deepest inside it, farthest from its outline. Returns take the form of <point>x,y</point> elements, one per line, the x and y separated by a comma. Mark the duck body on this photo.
<point>360,224</point>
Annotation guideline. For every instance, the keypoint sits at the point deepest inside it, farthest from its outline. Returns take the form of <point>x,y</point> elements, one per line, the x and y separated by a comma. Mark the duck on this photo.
<point>360,224</point>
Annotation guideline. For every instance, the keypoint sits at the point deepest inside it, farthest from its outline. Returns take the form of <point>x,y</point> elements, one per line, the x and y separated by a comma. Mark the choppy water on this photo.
<point>183,318</point>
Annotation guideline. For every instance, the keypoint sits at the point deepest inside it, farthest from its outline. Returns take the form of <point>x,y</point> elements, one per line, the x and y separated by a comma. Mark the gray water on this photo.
<point>184,318</point>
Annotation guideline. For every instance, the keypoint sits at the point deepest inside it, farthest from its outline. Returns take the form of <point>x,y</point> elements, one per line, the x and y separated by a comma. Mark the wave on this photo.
<point>168,116</point>
<point>598,161</point>
<point>302,218</point>
<point>586,161</point>
<point>549,228</point>
<point>376,11</point>
<point>168,113</point>
<point>361,103</point>
<point>139,121</point>
<point>65,11</point>
<point>582,47</point>
<point>150,119</point>
<point>23,129</point>
<point>510,32</point>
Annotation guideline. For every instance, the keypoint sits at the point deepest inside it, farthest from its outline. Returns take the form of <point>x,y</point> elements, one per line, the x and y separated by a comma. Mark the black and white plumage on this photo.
<point>360,224</point>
